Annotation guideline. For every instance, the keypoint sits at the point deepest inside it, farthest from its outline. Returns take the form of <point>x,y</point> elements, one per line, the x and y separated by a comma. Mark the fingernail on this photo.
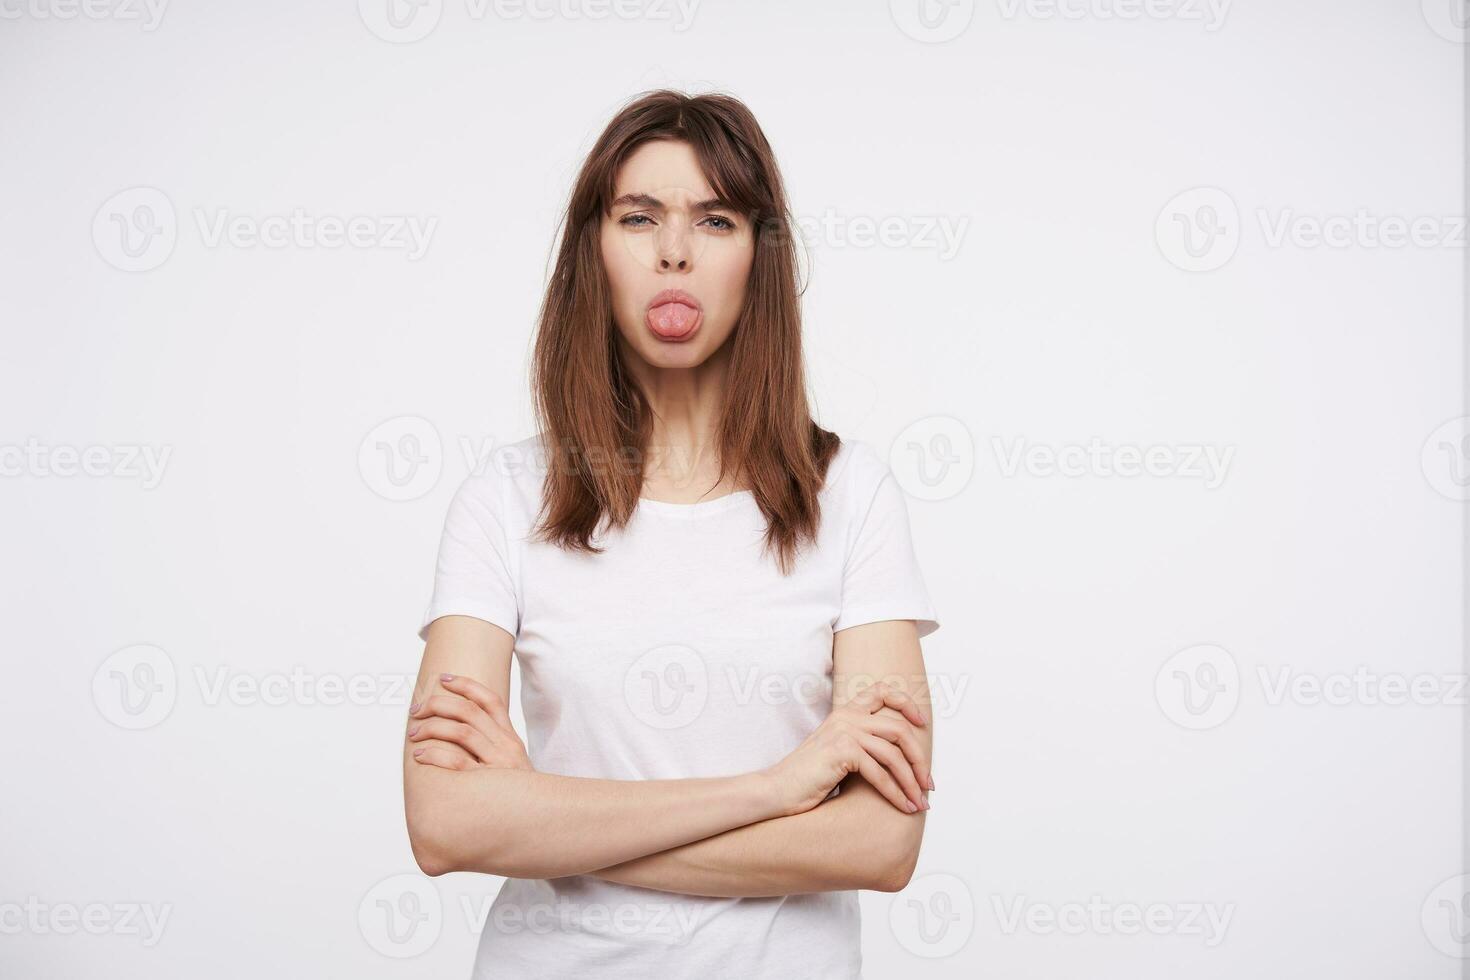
<point>417,753</point>
<point>413,707</point>
<point>446,677</point>
<point>931,782</point>
<point>910,805</point>
<point>412,730</point>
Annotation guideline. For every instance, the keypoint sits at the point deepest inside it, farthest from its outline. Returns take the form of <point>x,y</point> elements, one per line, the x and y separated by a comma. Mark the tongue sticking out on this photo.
<point>672,320</point>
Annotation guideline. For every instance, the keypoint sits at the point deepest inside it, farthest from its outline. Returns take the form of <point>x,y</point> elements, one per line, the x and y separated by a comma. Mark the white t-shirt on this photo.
<point>678,652</point>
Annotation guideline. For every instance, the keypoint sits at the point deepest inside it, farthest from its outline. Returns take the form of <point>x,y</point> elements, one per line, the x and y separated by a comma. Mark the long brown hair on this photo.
<point>594,419</point>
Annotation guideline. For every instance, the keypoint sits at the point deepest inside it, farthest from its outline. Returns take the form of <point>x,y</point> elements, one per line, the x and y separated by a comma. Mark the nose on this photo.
<point>674,251</point>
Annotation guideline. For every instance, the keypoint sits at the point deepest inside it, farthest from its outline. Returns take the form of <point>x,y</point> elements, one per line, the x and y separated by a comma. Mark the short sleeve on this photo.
<point>472,576</point>
<point>881,577</point>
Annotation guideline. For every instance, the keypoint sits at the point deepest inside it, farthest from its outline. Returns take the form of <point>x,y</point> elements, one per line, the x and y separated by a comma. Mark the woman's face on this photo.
<point>677,259</point>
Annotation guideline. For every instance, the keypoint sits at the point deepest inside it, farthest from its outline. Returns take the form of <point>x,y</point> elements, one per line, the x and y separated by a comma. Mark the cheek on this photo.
<point>629,258</point>
<point>732,273</point>
<point>615,273</point>
<point>621,270</point>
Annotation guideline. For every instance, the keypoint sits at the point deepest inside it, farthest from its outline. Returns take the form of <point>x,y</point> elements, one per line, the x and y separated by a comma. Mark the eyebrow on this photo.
<point>649,201</point>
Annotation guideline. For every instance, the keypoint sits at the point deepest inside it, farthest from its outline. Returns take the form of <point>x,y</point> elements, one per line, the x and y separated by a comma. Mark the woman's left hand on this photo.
<point>469,728</point>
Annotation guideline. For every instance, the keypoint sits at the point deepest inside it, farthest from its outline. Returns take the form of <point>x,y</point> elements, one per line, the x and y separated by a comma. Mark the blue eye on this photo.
<point>635,219</point>
<point>725,224</point>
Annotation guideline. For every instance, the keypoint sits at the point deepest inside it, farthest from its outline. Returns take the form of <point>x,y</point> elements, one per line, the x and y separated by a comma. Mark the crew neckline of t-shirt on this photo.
<point>697,509</point>
<point>720,504</point>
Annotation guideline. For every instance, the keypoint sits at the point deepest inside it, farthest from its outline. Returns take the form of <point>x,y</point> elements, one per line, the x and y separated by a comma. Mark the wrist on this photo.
<point>767,789</point>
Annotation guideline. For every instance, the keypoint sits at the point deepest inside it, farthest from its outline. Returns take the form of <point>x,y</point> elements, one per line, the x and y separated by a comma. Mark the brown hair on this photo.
<point>590,409</point>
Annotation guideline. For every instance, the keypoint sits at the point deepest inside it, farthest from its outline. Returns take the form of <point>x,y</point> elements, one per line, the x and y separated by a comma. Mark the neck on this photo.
<point>683,447</point>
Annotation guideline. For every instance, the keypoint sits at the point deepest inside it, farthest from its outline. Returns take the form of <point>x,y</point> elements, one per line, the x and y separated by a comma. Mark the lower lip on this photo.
<point>672,338</point>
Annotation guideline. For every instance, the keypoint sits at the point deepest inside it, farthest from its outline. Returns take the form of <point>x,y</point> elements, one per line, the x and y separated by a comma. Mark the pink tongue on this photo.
<point>672,319</point>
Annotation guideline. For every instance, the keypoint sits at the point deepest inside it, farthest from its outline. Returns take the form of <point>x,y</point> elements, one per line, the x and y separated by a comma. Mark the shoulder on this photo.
<point>855,473</point>
<point>507,480</point>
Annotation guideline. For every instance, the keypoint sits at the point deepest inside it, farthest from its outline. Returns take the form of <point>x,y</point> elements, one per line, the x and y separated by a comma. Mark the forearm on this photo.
<point>524,824</point>
<point>854,840</point>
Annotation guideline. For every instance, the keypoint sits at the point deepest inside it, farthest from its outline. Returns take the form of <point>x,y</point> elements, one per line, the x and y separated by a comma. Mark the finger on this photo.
<point>456,707</point>
<point>498,747</point>
<point>489,701</point>
<point>895,698</point>
<point>480,750</point>
<point>900,733</point>
<point>870,698</point>
<point>443,756</point>
<point>880,779</point>
<point>894,761</point>
<point>875,696</point>
<point>455,733</point>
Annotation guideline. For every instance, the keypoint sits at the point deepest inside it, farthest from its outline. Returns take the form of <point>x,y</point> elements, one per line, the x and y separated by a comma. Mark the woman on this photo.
<point>714,603</point>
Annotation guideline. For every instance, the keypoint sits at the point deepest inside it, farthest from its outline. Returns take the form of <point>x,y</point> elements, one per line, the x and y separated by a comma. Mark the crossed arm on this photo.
<point>757,834</point>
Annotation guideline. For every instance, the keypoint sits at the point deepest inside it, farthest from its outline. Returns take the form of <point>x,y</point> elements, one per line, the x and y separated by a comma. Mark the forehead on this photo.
<point>663,166</point>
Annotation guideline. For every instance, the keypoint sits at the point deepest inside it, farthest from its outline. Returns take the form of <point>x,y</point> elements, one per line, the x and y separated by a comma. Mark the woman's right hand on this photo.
<point>855,738</point>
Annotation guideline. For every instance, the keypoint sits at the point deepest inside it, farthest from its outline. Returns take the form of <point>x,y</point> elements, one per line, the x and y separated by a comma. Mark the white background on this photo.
<point>1069,765</point>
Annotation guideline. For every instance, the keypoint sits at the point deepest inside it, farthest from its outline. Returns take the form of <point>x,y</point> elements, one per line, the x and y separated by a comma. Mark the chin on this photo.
<point>686,355</point>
